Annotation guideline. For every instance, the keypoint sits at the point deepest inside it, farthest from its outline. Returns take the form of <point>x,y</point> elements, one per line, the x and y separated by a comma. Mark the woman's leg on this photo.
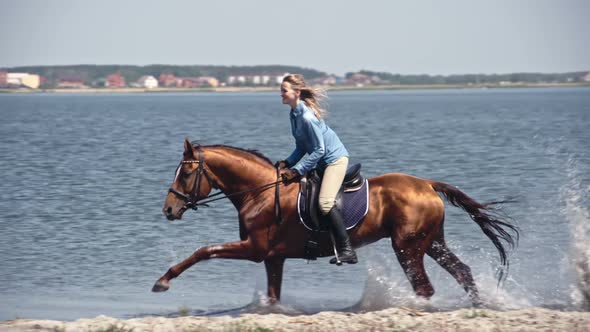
<point>331,183</point>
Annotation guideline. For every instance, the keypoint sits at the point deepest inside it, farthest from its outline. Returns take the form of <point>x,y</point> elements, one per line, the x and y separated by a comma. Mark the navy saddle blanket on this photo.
<point>353,205</point>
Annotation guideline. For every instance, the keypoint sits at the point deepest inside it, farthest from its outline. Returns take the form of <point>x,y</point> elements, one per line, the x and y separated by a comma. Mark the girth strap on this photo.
<point>278,212</point>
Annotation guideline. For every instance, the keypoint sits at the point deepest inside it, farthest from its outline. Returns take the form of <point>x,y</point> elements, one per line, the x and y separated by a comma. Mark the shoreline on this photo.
<point>392,319</point>
<point>273,89</point>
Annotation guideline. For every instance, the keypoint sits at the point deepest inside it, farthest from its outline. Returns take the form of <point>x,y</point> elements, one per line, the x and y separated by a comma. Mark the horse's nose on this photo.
<point>167,211</point>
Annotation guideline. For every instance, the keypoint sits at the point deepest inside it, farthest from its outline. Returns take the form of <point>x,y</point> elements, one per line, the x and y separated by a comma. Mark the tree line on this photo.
<point>388,78</point>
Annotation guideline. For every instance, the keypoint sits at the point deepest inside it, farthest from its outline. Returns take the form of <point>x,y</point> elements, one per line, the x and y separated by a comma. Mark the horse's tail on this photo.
<point>487,216</point>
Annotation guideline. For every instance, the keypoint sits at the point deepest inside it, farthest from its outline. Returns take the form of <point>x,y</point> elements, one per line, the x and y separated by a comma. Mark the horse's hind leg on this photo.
<point>411,258</point>
<point>460,271</point>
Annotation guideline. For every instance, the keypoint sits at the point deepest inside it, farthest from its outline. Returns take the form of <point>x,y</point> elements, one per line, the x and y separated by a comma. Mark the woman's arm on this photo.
<point>296,155</point>
<point>313,135</point>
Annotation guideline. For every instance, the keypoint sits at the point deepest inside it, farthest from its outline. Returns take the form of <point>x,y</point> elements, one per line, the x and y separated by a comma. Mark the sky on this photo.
<point>433,37</point>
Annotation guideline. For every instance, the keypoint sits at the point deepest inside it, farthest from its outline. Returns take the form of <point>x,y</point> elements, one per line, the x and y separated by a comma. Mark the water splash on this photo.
<point>261,305</point>
<point>387,286</point>
<point>503,298</point>
<point>575,196</point>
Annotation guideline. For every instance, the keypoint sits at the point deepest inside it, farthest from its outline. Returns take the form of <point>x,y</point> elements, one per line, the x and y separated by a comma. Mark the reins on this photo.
<point>193,202</point>
<point>264,186</point>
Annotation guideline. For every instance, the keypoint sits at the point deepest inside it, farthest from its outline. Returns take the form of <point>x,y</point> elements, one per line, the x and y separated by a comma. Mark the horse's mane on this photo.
<point>256,153</point>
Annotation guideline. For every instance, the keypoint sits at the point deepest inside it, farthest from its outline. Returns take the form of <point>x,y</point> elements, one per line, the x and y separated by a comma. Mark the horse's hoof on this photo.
<point>160,286</point>
<point>477,304</point>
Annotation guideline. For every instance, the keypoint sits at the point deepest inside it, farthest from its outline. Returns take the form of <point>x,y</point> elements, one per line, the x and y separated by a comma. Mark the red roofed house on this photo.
<point>3,78</point>
<point>115,81</point>
<point>191,82</point>
<point>70,81</point>
<point>168,80</point>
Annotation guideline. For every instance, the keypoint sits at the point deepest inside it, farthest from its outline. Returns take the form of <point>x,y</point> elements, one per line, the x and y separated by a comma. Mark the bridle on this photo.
<point>192,200</point>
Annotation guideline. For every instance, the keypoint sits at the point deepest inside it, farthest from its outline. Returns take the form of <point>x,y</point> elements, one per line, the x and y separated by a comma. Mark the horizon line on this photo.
<point>301,67</point>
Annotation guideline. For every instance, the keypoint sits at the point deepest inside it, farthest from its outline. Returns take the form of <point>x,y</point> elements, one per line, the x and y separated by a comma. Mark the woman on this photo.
<point>324,150</point>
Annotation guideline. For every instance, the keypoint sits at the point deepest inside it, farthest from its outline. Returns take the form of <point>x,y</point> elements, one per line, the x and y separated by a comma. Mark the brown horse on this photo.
<point>404,208</point>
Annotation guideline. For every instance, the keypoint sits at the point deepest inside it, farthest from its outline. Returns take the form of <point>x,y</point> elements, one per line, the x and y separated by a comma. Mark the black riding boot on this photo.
<point>345,252</point>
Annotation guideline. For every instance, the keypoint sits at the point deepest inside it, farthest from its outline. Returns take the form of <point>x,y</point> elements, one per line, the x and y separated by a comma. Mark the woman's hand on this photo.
<point>289,175</point>
<point>282,164</point>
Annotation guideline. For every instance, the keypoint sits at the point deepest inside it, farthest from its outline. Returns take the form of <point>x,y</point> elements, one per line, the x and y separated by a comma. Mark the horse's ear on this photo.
<point>188,149</point>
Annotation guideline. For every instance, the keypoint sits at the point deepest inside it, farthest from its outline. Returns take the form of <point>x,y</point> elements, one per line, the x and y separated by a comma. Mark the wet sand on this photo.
<point>394,319</point>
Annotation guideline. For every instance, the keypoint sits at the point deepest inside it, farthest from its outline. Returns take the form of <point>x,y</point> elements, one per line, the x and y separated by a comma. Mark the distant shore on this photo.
<point>393,319</point>
<point>275,89</point>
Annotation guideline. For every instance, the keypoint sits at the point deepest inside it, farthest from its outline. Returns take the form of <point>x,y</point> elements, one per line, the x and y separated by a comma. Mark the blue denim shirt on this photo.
<point>314,137</point>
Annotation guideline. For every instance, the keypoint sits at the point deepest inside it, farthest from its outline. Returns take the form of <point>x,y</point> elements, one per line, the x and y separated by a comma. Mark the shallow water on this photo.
<point>83,179</point>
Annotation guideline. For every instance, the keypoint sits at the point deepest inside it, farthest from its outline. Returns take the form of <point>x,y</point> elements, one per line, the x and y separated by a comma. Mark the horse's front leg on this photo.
<point>232,250</point>
<point>274,278</point>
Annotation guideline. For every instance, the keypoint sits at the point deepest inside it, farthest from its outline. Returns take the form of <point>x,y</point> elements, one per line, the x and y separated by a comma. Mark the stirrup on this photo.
<point>349,259</point>
<point>312,250</point>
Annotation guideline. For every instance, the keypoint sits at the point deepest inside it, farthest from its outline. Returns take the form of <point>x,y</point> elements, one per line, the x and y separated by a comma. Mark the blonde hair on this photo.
<point>312,97</point>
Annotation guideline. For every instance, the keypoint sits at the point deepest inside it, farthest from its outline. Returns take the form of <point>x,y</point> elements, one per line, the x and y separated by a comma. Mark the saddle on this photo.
<point>351,200</point>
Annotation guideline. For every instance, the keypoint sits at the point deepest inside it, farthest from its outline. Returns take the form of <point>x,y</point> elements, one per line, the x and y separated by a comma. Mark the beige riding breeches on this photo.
<point>333,177</point>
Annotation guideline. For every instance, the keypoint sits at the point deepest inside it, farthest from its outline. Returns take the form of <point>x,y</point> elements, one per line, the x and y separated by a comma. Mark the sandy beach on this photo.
<point>393,319</point>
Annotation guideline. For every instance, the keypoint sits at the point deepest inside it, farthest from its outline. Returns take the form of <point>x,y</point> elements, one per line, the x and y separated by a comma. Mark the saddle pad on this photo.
<point>355,206</point>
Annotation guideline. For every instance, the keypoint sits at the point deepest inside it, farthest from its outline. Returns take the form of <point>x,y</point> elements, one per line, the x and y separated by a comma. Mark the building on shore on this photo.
<point>148,82</point>
<point>169,80</point>
<point>3,78</point>
<point>71,81</point>
<point>279,78</point>
<point>359,80</point>
<point>325,80</point>
<point>236,80</point>
<point>586,78</point>
<point>115,80</point>
<point>190,82</point>
<point>23,79</point>
<point>209,81</point>
<point>199,82</point>
<point>254,79</point>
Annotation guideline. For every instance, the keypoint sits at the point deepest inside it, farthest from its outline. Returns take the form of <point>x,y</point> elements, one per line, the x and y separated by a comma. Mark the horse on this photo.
<point>405,208</point>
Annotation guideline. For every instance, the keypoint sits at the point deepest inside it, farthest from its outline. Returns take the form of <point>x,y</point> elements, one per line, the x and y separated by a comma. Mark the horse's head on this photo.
<point>191,183</point>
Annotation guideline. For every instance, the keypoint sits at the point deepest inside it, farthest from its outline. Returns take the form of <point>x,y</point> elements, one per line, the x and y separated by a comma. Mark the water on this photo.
<point>83,179</point>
